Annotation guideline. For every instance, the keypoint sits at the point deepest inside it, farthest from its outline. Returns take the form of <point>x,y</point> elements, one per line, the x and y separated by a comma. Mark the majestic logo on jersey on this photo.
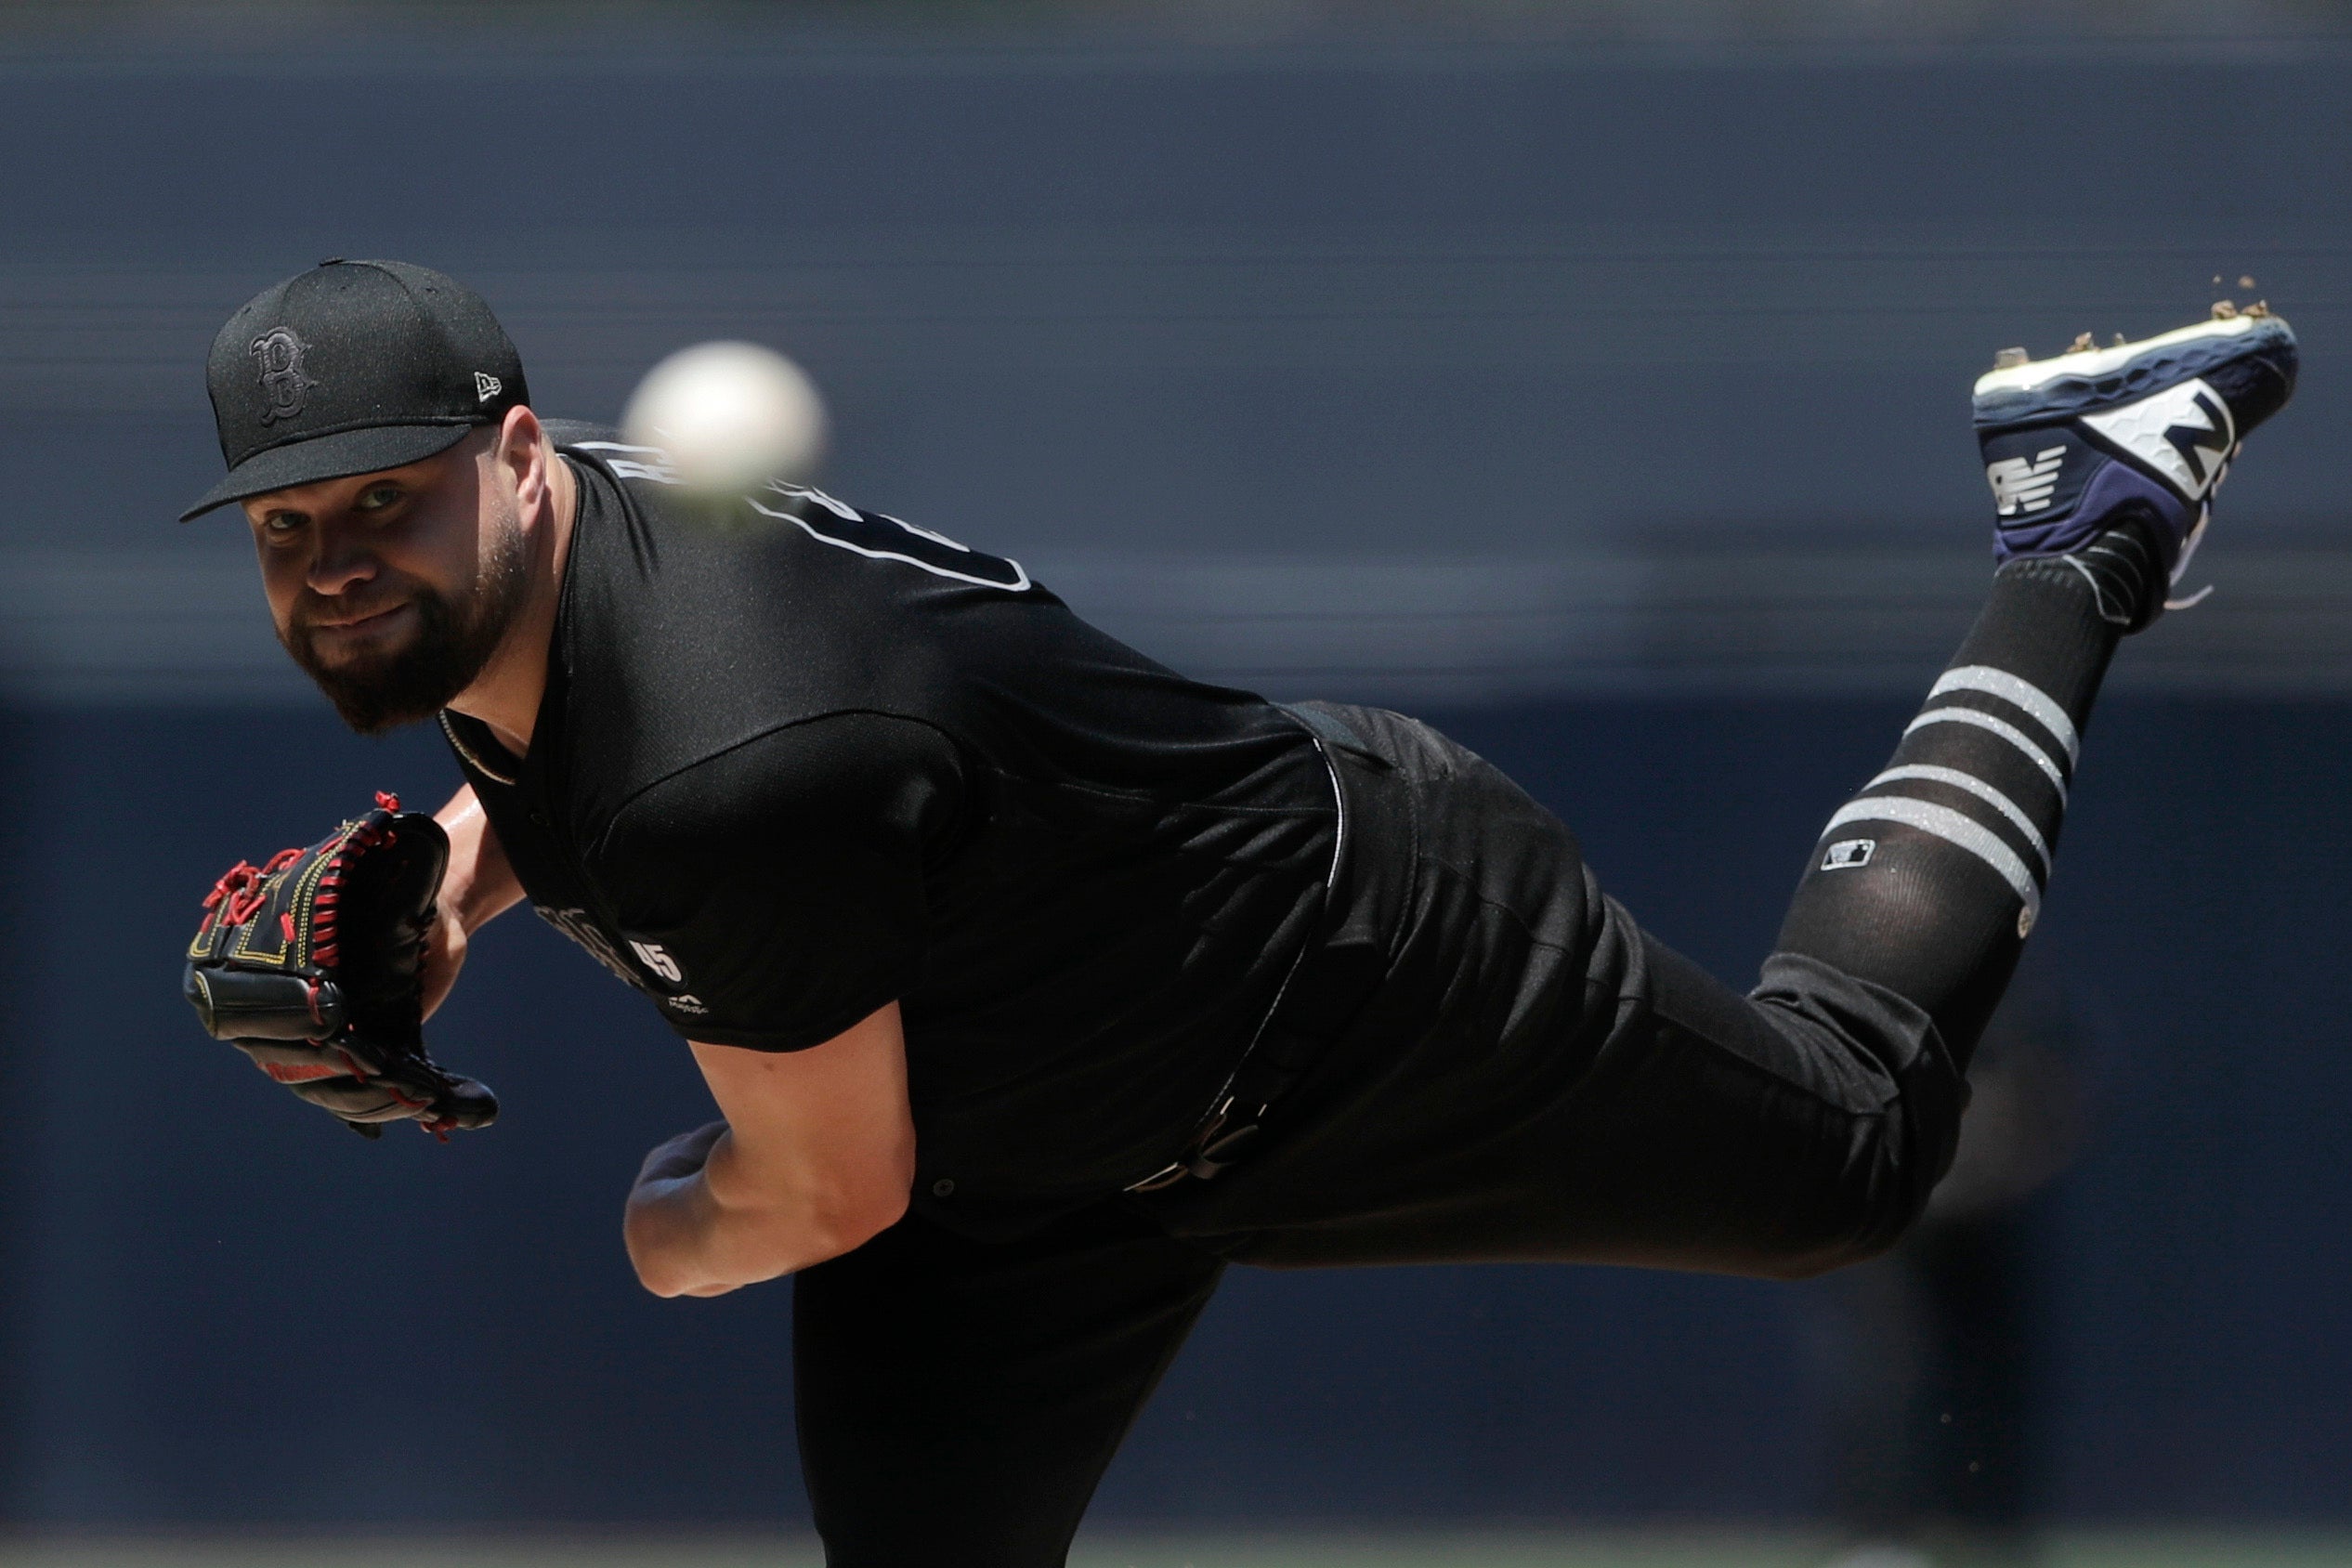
<point>486,386</point>
<point>2184,433</point>
<point>2023,484</point>
<point>278,353</point>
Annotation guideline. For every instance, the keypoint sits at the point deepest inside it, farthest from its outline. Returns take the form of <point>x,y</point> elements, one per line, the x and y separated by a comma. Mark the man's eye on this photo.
<point>283,523</point>
<point>375,498</point>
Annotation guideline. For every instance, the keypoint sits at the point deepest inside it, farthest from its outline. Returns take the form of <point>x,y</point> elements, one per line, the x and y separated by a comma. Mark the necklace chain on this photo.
<point>468,753</point>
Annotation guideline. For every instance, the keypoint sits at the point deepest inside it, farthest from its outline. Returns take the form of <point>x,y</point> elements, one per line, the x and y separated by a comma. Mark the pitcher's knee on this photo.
<point>1881,1186</point>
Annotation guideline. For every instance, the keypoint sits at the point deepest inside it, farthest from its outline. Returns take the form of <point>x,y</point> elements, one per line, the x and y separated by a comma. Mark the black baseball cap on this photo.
<point>352,367</point>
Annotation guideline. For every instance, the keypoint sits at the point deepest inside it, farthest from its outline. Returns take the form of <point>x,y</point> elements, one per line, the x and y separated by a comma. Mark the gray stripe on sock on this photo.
<point>2017,693</point>
<point>1982,792</point>
<point>2005,730</point>
<point>1953,828</point>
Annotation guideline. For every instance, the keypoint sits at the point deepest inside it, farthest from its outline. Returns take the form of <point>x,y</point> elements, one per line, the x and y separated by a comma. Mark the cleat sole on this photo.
<point>2080,381</point>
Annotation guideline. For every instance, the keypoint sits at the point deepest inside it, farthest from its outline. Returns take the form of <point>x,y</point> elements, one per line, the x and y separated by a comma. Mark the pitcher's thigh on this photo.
<point>959,1401</point>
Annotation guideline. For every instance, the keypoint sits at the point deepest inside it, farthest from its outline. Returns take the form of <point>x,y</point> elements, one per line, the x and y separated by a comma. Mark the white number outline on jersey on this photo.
<point>580,926</point>
<point>1021,583</point>
<point>659,471</point>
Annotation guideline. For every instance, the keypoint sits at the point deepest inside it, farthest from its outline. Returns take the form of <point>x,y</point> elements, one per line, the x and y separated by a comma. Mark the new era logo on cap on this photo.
<point>351,368</point>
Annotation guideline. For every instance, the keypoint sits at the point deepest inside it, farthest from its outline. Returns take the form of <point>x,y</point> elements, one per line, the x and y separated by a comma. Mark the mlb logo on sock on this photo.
<point>1846,853</point>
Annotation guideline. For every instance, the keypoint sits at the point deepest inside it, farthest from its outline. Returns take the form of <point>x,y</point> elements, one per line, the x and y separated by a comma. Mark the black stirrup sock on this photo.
<point>1929,880</point>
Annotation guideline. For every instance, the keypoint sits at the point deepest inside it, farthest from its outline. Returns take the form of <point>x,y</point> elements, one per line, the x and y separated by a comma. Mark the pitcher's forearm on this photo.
<point>713,1231</point>
<point>684,1242</point>
<point>480,884</point>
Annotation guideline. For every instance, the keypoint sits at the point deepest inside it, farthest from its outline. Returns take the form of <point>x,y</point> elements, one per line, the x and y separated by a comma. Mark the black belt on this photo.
<point>1319,994</point>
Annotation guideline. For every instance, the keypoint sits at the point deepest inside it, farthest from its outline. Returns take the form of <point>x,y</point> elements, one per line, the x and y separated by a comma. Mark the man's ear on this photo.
<point>524,453</point>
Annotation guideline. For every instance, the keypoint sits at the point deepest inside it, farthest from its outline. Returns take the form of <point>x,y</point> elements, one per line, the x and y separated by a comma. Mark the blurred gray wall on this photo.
<point>1439,372</point>
<point>1604,397</point>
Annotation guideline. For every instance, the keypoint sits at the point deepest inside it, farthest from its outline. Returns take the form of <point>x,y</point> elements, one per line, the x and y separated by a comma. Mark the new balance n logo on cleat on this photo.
<point>2021,484</point>
<point>2182,434</point>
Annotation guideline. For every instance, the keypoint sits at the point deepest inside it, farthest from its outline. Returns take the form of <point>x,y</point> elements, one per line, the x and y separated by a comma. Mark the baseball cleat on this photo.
<point>2076,444</point>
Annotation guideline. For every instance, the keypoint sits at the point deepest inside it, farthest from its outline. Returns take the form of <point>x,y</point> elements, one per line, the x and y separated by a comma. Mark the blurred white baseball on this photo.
<point>731,416</point>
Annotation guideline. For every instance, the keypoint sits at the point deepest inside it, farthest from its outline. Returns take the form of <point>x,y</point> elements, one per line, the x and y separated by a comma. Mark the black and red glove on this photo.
<point>313,965</point>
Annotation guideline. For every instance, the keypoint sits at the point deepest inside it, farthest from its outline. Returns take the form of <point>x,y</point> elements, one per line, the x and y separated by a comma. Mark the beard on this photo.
<point>455,636</point>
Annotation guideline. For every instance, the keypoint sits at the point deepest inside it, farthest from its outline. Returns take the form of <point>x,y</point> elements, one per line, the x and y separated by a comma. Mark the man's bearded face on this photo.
<point>393,590</point>
<point>451,636</point>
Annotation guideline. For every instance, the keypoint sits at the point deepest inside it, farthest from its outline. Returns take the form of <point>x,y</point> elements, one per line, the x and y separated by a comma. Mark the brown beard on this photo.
<point>455,638</point>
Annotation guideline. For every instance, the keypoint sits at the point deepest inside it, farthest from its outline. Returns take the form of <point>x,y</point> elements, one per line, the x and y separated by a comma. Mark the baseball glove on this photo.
<point>313,965</point>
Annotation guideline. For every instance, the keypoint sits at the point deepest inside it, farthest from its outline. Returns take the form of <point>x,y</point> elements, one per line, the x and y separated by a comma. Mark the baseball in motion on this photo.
<point>731,416</point>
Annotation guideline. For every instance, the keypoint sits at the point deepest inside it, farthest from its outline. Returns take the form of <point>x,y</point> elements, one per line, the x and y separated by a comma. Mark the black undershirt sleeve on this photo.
<point>782,880</point>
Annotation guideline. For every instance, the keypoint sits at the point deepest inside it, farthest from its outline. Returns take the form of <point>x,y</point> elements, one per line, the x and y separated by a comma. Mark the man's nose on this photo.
<point>343,562</point>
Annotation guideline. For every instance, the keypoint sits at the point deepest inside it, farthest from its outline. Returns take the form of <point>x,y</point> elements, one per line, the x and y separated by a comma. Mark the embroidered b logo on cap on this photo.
<point>277,353</point>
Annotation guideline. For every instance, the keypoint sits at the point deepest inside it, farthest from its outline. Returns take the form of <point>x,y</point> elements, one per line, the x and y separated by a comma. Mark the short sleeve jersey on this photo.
<point>796,760</point>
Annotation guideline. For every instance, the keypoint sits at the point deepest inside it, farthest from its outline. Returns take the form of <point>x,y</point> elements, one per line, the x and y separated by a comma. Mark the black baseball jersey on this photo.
<point>797,761</point>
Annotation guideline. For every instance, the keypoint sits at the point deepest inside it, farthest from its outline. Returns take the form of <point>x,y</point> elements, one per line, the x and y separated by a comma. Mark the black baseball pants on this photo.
<point>1525,1076</point>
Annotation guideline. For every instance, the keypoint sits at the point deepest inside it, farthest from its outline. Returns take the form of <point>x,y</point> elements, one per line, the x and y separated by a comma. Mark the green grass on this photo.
<point>579,1549</point>
<point>1673,1549</point>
